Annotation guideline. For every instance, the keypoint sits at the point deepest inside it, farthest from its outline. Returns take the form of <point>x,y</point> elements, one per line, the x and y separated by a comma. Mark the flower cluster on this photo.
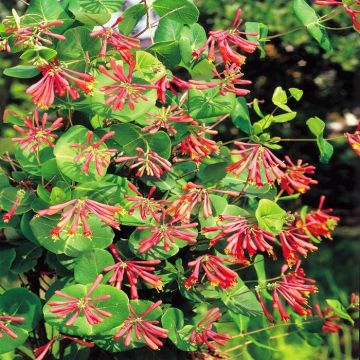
<point>145,330</point>
<point>73,307</point>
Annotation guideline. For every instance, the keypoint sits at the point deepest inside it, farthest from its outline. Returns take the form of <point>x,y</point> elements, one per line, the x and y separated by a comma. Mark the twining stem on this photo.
<point>148,20</point>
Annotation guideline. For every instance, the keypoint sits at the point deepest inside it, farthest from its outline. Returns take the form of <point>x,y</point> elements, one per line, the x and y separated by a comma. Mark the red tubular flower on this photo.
<point>41,351</point>
<point>5,321</point>
<point>76,213</point>
<point>295,179</point>
<point>224,39</point>
<point>182,207</point>
<point>74,306</point>
<point>111,36</point>
<point>329,319</point>
<point>56,80</point>
<point>165,116</point>
<point>170,82</point>
<point>348,6</point>
<point>354,140</point>
<point>295,241</point>
<point>124,90</point>
<point>294,288</point>
<point>148,162</point>
<point>354,301</point>
<point>167,233</point>
<point>101,157</point>
<point>147,206</point>
<point>10,214</point>
<point>142,329</point>
<point>197,146</point>
<point>319,222</point>
<point>216,272</point>
<point>241,235</point>
<point>36,133</point>
<point>232,77</point>
<point>203,332</point>
<point>31,36</point>
<point>133,271</point>
<point>254,158</point>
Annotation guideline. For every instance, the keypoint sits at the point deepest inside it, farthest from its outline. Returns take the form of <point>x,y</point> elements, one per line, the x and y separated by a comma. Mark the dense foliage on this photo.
<point>138,225</point>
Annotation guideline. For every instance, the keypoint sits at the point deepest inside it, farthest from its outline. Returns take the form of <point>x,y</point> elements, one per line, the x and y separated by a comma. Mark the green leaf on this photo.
<point>308,17</point>
<point>280,98</point>
<point>48,10</point>
<point>7,257</point>
<point>88,18</point>
<point>101,6</point>
<point>75,244</point>
<point>131,16</point>
<point>148,67</point>
<point>167,52</point>
<point>22,71</point>
<point>130,137</point>
<point>78,47</point>
<point>339,310</point>
<point>168,30</point>
<point>65,153</point>
<point>192,37</point>
<point>241,300</point>
<point>182,11</point>
<point>209,103</point>
<point>270,216</point>
<point>90,264</point>
<point>317,127</point>
<point>116,305</point>
<point>38,53</point>
<point>26,257</point>
<point>282,118</point>
<point>173,321</point>
<point>262,32</point>
<point>297,94</point>
<point>23,303</point>
<point>8,196</point>
<point>240,116</point>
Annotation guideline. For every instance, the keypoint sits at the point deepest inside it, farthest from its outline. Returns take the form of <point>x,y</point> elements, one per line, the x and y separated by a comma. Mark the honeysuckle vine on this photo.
<point>142,220</point>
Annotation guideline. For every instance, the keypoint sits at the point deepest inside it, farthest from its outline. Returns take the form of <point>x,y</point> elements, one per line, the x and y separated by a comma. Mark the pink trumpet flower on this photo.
<point>75,212</point>
<point>36,133</point>
<point>165,116</point>
<point>145,330</point>
<point>203,332</point>
<point>232,76</point>
<point>224,39</point>
<point>74,306</point>
<point>319,222</point>
<point>216,272</point>
<point>149,163</point>
<point>354,140</point>
<point>10,214</point>
<point>111,36</point>
<point>92,153</point>
<point>5,321</point>
<point>354,13</point>
<point>42,351</point>
<point>294,241</point>
<point>124,90</point>
<point>133,270</point>
<point>4,45</point>
<point>295,179</point>
<point>294,288</point>
<point>167,233</point>
<point>38,35</point>
<point>197,146</point>
<point>181,208</point>
<point>147,206</point>
<point>241,236</point>
<point>57,79</point>
<point>171,82</point>
<point>254,158</point>
<point>329,317</point>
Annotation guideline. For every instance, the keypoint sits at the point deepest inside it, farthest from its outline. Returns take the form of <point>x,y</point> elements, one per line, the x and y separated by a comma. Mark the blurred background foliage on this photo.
<point>331,85</point>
